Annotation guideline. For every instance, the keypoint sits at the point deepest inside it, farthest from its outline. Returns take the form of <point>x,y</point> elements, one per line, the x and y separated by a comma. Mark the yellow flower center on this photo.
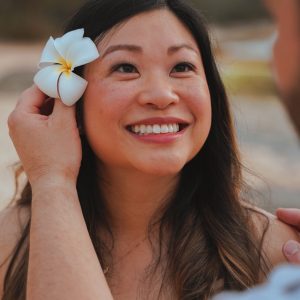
<point>66,66</point>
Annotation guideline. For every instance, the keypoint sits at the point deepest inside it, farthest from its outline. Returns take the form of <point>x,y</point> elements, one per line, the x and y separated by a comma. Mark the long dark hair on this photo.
<point>208,231</point>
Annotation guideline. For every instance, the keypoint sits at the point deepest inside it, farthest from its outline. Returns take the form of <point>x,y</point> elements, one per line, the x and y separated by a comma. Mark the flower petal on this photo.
<point>82,52</point>
<point>46,79</point>
<point>63,43</point>
<point>50,55</point>
<point>71,87</point>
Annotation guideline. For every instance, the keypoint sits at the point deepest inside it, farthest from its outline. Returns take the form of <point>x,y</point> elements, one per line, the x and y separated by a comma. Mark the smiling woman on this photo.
<point>154,167</point>
<point>146,85</point>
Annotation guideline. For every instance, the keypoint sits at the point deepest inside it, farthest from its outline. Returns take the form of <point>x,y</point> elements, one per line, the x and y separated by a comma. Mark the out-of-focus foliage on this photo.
<point>35,19</point>
<point>249,78</point>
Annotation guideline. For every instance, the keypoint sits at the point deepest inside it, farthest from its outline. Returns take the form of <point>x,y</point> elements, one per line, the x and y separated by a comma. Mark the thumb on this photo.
<point>291,250</point>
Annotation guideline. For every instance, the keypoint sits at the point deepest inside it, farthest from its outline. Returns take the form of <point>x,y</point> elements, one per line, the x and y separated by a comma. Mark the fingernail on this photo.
<point>291,248</point>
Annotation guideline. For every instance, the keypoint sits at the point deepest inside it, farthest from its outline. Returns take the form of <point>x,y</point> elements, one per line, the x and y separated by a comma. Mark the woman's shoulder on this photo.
<point>274,233</point>
<point>12,223</point>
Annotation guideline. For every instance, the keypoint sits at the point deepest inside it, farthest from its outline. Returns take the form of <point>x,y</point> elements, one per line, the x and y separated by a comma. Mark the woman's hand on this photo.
<point>49,146</point>
<point>290,216</point>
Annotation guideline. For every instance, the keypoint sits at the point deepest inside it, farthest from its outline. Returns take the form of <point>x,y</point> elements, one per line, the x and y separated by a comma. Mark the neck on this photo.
<point>132,199</point>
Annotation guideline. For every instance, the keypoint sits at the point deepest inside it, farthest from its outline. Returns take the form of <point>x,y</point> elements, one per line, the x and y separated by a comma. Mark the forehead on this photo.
<point>158,28</point>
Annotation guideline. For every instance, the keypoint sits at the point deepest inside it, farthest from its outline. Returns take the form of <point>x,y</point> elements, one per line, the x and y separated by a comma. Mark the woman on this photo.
<point>163,213</point>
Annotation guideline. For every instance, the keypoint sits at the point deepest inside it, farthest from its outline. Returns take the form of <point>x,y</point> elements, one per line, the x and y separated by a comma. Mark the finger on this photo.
<point>62,111</point>
<point>291,250</point>
<point>290,216</point>
<point>31,100</point>
<point>47,108</point>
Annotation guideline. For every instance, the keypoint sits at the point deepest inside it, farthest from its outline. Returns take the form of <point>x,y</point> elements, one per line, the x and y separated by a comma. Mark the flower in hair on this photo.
<point>59,58</point>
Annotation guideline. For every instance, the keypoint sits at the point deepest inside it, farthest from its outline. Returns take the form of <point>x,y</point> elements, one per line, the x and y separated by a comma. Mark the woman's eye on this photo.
<point>125,68</point>
<point>183,67</point>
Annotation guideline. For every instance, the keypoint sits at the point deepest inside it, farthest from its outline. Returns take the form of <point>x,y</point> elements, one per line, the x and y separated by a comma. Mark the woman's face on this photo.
<point>147,105</point>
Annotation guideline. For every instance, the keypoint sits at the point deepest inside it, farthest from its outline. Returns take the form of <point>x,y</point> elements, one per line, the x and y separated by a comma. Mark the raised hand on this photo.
<point>49,146</point>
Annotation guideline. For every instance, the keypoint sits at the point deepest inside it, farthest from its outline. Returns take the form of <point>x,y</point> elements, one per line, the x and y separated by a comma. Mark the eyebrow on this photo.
<point>174,49</point>
<point>138,49</point>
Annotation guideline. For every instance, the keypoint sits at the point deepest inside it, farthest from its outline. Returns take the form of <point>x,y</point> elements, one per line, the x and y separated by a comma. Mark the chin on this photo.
<point>163,169</point>
<point>162,165</point>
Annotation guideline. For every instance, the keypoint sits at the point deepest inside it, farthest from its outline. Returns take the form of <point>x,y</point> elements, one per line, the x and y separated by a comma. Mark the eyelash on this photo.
<point>116,68</point>
<point>186,64</point>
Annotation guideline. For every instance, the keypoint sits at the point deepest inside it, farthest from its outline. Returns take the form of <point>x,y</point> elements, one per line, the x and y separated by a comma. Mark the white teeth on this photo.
<point>155,129</point>
<point>143,128</point>
<point>164,129</point>
<point>136,128</point>
<point>149,129</point>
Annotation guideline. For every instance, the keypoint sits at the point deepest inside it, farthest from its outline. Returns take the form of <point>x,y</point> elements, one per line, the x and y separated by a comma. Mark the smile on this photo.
<point>144,129</point>
<point>154,129</point>
<point>158,129</point>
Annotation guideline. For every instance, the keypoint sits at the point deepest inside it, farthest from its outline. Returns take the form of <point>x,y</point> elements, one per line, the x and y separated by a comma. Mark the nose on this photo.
<point>158,93</point>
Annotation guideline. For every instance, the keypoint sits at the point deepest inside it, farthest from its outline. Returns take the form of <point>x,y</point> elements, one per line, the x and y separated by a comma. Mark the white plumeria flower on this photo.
<point>283,284</point>
<point>59,58</point>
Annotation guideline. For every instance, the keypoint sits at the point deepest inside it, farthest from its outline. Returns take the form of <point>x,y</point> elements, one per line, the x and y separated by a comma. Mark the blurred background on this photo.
<point>243,34</point>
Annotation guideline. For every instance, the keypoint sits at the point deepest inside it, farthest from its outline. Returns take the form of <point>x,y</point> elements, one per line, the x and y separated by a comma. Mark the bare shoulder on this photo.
<point>12,223</point>
<point>275,234</point>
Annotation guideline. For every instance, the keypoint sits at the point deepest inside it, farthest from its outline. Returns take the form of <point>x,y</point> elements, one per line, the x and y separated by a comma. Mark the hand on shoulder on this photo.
<point>276,235</point>
<point>291,216</point>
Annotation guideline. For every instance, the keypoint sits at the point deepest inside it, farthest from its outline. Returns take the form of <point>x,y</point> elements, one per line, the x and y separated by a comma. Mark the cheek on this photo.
<point>199,102</point>
<point>104,107</point>
<point>198,99</point>
<point>107,100</point>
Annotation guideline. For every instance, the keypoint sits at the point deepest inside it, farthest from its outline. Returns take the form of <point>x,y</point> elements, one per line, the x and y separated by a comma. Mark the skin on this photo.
<point>54,261</point>
<point>142,174</point>
<point>291,248</point>
<point>286,49</point>
<point>286,54</point>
